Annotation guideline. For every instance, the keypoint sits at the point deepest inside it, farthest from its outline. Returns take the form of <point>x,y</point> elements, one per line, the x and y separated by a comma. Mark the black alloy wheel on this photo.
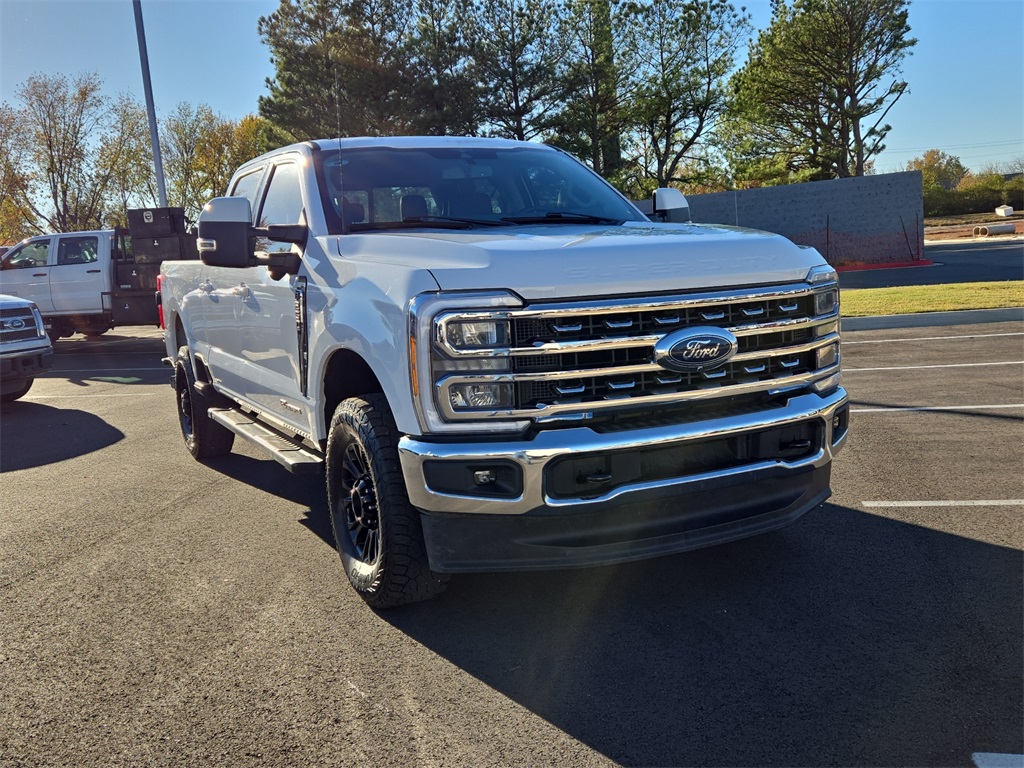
<point>359,499</point>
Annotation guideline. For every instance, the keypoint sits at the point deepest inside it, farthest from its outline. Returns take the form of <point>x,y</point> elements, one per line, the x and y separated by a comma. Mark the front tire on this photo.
<point>204,437</point>
<point>10,395</point>
<point>376,530</point>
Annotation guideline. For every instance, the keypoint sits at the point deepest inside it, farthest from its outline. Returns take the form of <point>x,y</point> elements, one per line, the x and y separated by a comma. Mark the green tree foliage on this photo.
<point>519,48</point>
<point>596,76</point>
<point>442,75</point>
<point>683,50</point>
<point>811,100</point>
<point>938,169</point>
<point>340,68</point>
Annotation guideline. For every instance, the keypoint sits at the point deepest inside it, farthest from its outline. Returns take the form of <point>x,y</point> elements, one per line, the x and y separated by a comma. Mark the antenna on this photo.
<point>341,186</point>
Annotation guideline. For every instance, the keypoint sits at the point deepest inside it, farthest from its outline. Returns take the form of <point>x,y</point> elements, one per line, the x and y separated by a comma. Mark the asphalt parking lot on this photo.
<point>966,261</point>
<point>161,612</point>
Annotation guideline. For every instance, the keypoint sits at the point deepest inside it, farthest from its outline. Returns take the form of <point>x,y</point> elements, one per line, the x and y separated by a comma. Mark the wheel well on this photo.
<point>347,375</point>
<point>179,333</point>
<point>180,340</point>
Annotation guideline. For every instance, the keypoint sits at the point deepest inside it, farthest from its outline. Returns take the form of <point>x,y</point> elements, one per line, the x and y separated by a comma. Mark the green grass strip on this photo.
<point>865,302</point>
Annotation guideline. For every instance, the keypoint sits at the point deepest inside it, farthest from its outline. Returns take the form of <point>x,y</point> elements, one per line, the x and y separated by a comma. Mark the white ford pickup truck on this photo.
<point>499,362</point>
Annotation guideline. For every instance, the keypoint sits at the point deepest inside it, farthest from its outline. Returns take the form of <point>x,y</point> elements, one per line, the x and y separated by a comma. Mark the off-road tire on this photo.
<point>204,437</point>
<point>376,530</point>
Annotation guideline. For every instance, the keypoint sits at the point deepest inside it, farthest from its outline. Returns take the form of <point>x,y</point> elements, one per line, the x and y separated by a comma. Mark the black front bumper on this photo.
<point>18,366</point>
<point>713,511</point>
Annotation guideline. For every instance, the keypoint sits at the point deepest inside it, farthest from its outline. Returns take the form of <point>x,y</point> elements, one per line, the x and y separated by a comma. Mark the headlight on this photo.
<point>825,303</point>
<point>822,274</point>
<point>827,356</point>
<point>828,384</point>
<point>460,362</point>
<point>481,334</point>
<point>480,396</point>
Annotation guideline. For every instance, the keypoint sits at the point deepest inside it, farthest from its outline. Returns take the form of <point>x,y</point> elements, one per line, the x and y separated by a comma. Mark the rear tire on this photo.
<point>204,437</point>
<point>376,530</point>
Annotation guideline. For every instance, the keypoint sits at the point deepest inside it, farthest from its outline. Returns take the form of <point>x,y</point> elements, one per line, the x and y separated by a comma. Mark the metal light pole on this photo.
<point>154,137</point>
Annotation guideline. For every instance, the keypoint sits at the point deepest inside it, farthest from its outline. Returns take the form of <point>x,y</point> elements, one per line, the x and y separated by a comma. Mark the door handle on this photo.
<point>92,271</point>
<point>38,274</point>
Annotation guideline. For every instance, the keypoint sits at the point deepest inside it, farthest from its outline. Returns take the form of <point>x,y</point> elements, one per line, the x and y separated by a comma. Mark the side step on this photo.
<point>286,451</point>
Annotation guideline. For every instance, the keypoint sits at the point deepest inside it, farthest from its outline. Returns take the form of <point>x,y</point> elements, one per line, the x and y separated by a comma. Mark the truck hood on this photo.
<point>569,260</point>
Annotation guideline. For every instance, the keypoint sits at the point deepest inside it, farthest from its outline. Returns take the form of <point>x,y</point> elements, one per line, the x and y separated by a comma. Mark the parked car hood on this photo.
<point>575,260</point>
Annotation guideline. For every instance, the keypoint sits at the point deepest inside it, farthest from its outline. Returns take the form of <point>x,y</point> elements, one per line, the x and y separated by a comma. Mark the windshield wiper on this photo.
<point>562,217</point>
<point>443,220</point>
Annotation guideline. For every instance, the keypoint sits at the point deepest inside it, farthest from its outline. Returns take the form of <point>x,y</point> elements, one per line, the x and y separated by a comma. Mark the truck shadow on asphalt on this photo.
<point>34,435</point>
<point>845,639</point>
<point>266,475</point>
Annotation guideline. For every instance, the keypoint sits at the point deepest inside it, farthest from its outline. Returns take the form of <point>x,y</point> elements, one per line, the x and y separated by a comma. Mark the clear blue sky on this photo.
<point>966,74</point>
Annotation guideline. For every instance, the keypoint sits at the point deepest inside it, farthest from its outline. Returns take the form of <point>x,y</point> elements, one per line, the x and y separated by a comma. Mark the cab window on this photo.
<point>28,255</point>
<point>248,186</point>
<point>282,204</point>
<point>78,250</point>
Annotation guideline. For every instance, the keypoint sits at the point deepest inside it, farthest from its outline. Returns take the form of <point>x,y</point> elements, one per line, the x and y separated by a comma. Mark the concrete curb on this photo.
<point>925,319</point>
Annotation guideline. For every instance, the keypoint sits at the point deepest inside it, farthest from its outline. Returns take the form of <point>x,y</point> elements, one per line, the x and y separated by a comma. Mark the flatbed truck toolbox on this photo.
<point>499,363</point>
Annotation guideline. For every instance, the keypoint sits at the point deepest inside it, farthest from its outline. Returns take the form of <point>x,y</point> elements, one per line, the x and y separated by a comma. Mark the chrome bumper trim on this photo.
<point>533,455</point>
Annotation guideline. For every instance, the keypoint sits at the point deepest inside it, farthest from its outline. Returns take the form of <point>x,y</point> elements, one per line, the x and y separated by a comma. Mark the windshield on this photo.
<point>459,188</point>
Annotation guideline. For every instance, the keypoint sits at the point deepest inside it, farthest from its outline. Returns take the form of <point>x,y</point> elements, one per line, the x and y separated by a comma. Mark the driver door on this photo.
<point>263,352</point>
<point>26,273</point>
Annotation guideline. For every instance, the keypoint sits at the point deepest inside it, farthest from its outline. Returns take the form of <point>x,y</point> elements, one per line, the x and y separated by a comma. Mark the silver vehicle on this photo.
<point>25,349</point>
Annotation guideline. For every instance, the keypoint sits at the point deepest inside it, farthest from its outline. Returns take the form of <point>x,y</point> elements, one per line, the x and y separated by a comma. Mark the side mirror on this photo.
<point>670,205</point>
<point>226,237</point>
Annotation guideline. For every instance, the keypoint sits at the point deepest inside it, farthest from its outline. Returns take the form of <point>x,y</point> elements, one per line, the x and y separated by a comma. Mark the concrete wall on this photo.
<point>864,220</point>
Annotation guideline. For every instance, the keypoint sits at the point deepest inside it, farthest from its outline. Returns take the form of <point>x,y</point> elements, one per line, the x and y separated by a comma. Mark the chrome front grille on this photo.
<point>17,324</point>
<point>566,360</point>
<point>640,322</point>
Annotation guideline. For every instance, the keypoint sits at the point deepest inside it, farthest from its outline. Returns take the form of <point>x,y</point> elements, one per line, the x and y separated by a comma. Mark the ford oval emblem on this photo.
<point>695,349</point>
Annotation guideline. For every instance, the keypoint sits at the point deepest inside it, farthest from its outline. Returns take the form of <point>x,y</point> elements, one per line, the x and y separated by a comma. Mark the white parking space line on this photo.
<point>947,503</point>
<point>899,408</point>
<point>934,338</point>
<point>997,760</point>
<point>945,365</point>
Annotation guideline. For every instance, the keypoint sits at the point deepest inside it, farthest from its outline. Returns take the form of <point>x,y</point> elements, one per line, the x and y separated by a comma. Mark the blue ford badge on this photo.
<point>695,349</point>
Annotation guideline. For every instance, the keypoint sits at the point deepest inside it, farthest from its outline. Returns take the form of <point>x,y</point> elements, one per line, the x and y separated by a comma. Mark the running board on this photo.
<point>286,451</point>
